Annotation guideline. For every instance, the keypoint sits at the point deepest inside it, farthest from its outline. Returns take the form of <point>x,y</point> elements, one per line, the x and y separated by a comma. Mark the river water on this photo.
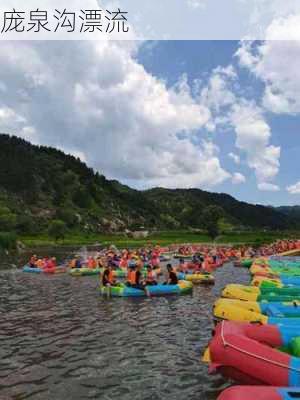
<point>60,340</point>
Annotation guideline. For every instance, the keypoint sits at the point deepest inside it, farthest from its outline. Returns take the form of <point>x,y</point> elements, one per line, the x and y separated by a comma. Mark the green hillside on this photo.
<point>40,184</point>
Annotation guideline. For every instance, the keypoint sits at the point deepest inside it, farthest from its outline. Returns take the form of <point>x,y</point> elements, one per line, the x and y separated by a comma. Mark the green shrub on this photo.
<point>7,219</point>
<point>8,240</point>
<point>57,229</point>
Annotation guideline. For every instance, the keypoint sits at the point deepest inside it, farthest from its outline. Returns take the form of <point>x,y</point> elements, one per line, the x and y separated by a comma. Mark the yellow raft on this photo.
<point>241,292</point>
<point>262,312</point>
<point>200,278</point>
<point>236,310</point>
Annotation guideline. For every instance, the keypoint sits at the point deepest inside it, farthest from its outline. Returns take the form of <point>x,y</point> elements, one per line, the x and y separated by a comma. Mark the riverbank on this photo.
<point>163,238</point>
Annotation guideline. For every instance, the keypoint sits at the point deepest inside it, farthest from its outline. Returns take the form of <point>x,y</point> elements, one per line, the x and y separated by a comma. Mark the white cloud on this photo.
<point>294,189</point>
<point>15,123</point>
<point>235,157</point>
<point>102,105</point>
<point>217,94</point>
<point>238,178</point>
<point>276,62</point>
<point>253,136</point>
<point>265,11</point>
<point>230,109</point>
<point>268,187</point>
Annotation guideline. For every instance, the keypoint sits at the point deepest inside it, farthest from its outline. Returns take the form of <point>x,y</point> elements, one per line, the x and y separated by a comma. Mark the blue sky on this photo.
<point>169,60</point>
<point>217,115</point>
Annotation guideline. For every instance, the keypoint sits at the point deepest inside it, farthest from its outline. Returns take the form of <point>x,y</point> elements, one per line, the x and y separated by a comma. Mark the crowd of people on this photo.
<point>142,267</point>
<point>42,262</point>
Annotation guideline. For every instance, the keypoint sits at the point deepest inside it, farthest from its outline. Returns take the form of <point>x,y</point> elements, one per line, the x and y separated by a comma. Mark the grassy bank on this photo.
<point>162,238</point>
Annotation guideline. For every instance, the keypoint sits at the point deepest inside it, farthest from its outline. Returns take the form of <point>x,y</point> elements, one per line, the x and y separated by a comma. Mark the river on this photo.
<point>60,340</point>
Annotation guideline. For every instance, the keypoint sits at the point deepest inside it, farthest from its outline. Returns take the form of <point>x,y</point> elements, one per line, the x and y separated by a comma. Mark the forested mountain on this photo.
<point>39,184</point>
<point>292,212</point>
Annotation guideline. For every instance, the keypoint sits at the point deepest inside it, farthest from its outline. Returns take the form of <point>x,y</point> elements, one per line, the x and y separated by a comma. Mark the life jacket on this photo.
<point>91,263</point>
<point>49,264</point>
<point>206,265</point>
<point>111,277</point>
<point>151,276</point>
<point>155,261</point>
<point>131,277</point>
<point>184,267</point>
<point>40,263</point>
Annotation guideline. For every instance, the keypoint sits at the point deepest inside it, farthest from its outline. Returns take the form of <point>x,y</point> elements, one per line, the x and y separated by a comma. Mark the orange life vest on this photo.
<point>91,263</point>
<point>131,277</point>
<point>40,263</point>
<point>111,277</point>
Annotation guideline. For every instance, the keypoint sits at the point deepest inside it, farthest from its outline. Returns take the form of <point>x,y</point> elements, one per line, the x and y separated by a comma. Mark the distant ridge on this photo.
<point>39,183</point>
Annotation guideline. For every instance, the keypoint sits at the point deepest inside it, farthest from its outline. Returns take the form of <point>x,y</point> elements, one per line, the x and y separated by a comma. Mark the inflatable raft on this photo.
<point>253,293</point>
<point>251,311</point>
<point>260,393</point>
<point>207,279</point>
<point>122,290</point>
<point>248,354</point>
<point>262,281</point>
<point>83,271</point>
<point>56,270</point>
<point>36,270</point>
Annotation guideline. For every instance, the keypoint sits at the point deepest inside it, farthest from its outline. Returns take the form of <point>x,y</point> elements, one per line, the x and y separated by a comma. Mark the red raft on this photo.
<point>246,354</point>
<point>260,393</point>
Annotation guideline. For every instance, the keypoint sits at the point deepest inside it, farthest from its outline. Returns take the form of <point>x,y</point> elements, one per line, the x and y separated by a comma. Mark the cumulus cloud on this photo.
<point>95,100</point>
<point>230,109</point>
<point>276,62</point>
<point>238,178</point>
<point>268,187</point>
<point>294,189</point>
<point>253,135</point>
<point>217,94</point>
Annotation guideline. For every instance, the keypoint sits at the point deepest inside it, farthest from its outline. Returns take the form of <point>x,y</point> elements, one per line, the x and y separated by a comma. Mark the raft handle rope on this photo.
<point>227,344</point>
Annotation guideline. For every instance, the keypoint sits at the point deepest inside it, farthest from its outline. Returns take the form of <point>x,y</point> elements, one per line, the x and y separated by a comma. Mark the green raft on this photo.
<point>85,271</point>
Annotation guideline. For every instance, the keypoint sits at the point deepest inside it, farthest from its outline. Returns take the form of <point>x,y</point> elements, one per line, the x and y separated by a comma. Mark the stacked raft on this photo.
<point>256,340</point>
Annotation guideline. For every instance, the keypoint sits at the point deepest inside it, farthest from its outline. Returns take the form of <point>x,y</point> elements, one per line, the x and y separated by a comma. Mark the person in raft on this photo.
<point>51,263</point>
<point>151,278</point>
<point>134,279</point>
<point>32,261</point>
<point>108,276</point>
<point>78,263</point>
<point>172,278</point>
